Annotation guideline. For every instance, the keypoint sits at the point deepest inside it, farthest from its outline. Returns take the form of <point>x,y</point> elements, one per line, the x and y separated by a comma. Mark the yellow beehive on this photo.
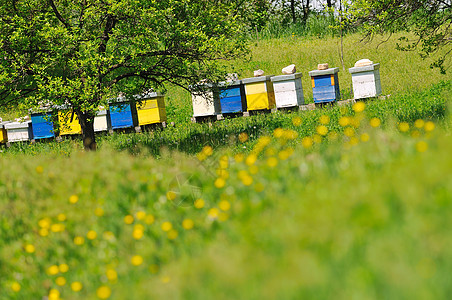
<point>151,110</point>
<point>259,93</point>
<point>3,135</point>
<point>69,123</point>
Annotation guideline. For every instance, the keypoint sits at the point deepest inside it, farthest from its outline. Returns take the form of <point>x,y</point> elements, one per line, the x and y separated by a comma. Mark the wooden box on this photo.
<point>102,121</point>
<point>69,123</point>
<point>259,93</point>
<point>206,100</point>
<point>123,113</point>
<point>151,109</point>
<point>325,85</point>
<point>3,134</point>
<point>366,81</point>
<point>232,97</point>
<point>288,90</point>
<point>19,131</point>
<point>42,125</point>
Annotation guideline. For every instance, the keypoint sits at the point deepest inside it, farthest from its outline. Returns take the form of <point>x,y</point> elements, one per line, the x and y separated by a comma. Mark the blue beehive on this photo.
<point>42,125</point>
<point>232,97</point>
<point>123,113</point>
<point>325,85</point>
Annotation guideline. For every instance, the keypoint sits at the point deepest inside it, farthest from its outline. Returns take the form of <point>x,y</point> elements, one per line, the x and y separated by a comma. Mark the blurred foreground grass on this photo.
<point>351,210</point>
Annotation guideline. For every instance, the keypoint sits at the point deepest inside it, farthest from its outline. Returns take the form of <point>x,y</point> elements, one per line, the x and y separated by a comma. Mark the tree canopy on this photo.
<point>81,53</point>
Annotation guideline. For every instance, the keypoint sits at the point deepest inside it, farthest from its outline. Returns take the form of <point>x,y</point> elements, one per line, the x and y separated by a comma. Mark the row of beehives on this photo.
<point>283,91</point>
<point>122,113</point>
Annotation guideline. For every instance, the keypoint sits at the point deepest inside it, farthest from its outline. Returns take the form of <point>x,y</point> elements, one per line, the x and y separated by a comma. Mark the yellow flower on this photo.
<point>171,195</point>
<point>108,235</point>
<point>165,279</point>
<point>332,135</point>
<point>307,142</point>
<point>172,234</point>
<point>251,159</point>
<point>296,121</point>
<point>63,268</point>
<point>290,134</point>
<point>207,150</point>
<point>239,157</point>
<point>79,240</point>
<point>259,187</point>
<point>359,106</point>
<point>43,232</point>
<point>166,226</point>
<point>140,215</point>
<point>429,126</point>
<point>103,292</point>
<point>324,119</point>
<point>112,275</point>
<point>57,227</point>
<point>365,137</point>
<point>243,137</point>
<point>254,169</point>
<point>53,270</point>
<point>73,199</point>
<point>54,294</point>
<point>344,121</point>
<point>29,248</point>
<point>317,138</point>
<point>188,224</point>
<point>278,132</point>
<point>419,123</point>
<point>219,183</point>
<point>272,162</point>
<point>60,280</point>
<point>404,127</point>
<point>15,286</point>
<point>91,235</point>
<point>285,154</point>
<point>354,141</point>
<point>137,234</point>
<point>247,180</point>
<point>136,260</point>
<point>128,219</point>
<point>76,286</point>
<point>375,122</point>
<point>61,217</point>
<point>39,169</point>
<point>224,162</point>
<point>149,219</point>
<point>99,211</point>
<point>421,146</point>
<point>349,131</point>
<point>199,203</point>
<point>224,205</point>
<point>213,213</point>
<point>44,223</point>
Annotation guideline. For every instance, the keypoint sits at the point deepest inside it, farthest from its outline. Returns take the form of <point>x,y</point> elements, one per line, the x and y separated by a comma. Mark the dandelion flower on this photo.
<point>359,106</point>
<point>61,217</point>
<point>219,183</point>
<point>324,119</point>
<point>171,195</point>
<point>419,123</point>
<point>29,248</point>
<point>128,219</point>
<point>297,121</point>
<point>166,226</point>
<point>344,121</point>
<point>172,234</point>
<point>79,240</point>
<point>421,146</point>
<point>63,268</point>
<point>53,270</point>
<point>365,137</point>
<point>112,275</point>
<point>91,235</point>
<point>272,162</point>
<point>307,142</point>
<point>429,126</point>
<point>39,169</point>
<point>224,205</point>
<point>188,224</point>
<point>60,280</point>
<point>243,137</point>
<point>136,260</point>
<point>99,212</point>
<point>149,219</point>
<point>199,203</point>
<point>251,159</point>
<point>76,286</point>
<point>375,122</point>
<point>404,127</point>
<point>73,199</point>
<point>140,215</point>
<point>103,292</point>
<point>213,213</point>
<point>15,286</point>
<point>54,294</point>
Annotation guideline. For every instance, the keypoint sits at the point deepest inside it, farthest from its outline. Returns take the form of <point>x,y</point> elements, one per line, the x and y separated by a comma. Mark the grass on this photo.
<point>364,214</point>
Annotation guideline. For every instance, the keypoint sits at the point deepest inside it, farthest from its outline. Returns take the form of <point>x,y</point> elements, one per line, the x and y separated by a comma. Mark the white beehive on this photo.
<point>366,81</point>
<point>206,100</point>
<point>288,90</point>
<point>19,131</point>
<point>101,121</point>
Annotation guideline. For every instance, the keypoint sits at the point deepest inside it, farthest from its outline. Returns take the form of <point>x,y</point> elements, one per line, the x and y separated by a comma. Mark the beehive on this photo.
<point>259,93</point>
<point>3,134</point>
<point>151,109</point>
<point>325,85</point>
<point>123,113</point>
<point>288,90</point>
<point>102,121</point>
<point>42,125</point>
<point>232,97</point>
<point>69,123</point>
<point>366,81</point>
<point>19,131</point>
<point>206,100</point>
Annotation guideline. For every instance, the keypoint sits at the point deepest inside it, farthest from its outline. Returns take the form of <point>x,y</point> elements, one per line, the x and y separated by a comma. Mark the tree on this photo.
<point>429,20</point>
<point>81,53</point>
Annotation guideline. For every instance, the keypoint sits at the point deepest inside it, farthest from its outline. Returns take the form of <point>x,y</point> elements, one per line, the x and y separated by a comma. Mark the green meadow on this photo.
<point>350,202</point>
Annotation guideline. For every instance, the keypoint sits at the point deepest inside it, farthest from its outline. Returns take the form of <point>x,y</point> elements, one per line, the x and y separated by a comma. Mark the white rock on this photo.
<point>258,73</point>
<point>322,66</point>
<point>363,62</point>
<point>289,70</point>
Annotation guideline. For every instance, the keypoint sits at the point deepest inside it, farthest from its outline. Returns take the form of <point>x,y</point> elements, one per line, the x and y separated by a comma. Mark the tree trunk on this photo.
<point>87,124</point>
<point>306,11</point>
<point>329,3</point>
<point>292,9</point>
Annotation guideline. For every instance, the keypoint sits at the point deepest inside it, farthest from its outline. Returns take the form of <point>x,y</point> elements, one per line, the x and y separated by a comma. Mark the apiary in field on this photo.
<point>69,123</point>
<point>288,90</point>
<point>206,100</point>
<point>365,79</point>
<point>325,85</point>
<point>42,125</point>
<point>259,93</point>
<point>102,121</point>
<point>232,97</point>
<point>151,109</point>
<point>123,113</point>
<point>19,131</point>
